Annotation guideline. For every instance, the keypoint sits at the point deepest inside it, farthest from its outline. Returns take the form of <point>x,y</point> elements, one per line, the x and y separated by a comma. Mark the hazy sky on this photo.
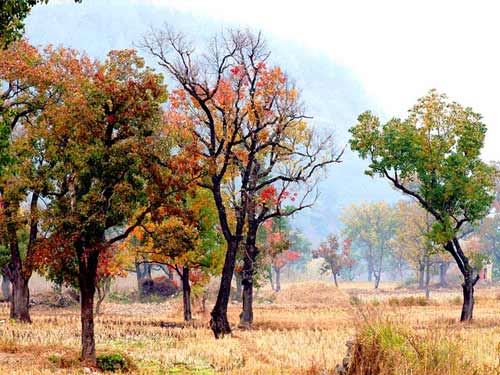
<point>397,49</point>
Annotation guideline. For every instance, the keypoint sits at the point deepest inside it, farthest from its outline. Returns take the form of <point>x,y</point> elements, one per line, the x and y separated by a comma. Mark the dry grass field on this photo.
<point>301,330</point>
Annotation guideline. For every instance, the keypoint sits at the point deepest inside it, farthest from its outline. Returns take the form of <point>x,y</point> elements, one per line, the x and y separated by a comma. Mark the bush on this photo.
<point>409,301</point>
<point>112,362</point>
<point>385,347</point>
<point>159,286</point>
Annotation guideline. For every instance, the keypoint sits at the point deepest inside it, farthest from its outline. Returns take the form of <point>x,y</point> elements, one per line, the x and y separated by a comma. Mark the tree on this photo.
<point>333,260</point>
<point>434,157</point>
<point>32,84</point>
<point>489,228</point>
<point>186,239</point>
<point>412,241</point>
<point>112,160</point>
<point>12,15</point>
<point>275,245</point>
<point>229,99</point>
<point>371,226</point>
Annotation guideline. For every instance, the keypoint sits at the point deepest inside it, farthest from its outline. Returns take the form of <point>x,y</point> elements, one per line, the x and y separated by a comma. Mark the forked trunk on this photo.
<point>186,294</point>
<point>219,323</point>
<point>335,280</point>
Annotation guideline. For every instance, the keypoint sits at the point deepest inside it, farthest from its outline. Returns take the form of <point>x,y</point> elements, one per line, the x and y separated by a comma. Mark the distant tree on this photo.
<point>371,226</point>
<point>412,242</point>
<point>12,15</point>
<point>335,257</point>
<point>185,238</point>
<point>434,157</point>
<point>275,247</point>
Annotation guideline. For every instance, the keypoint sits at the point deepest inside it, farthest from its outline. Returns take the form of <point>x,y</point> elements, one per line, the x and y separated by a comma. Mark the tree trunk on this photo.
<point>186,294</point>
<point>19,307</point>
<point>6,288</point>
<point>140,278</point>
<point>247,275</point>
<point>468,305</point>
<point>239,289</point>
<point>278,283</point>
<point>271,279</point>
<point>87,274</point>
<point>377,279</point>
<point>335,280</point>
<point>219,323</point>
<point>370,270</point>
<point>427,277</point>
<point>443,268</point>
<point>421,275</point>
<point>470,278</point>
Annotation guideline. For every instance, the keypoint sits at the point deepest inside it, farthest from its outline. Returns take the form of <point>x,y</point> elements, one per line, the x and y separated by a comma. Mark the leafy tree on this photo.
<point>12,15</point>
<point>248,122</point>
<point>275,246</point>
<point>412,242</point>
<point>371,226</point>
<point>489,228</point>
<point>185,239</point>
<point>32,84</point>
<point>107,156</point>
<point>434,157</point>
<point>335,257</point>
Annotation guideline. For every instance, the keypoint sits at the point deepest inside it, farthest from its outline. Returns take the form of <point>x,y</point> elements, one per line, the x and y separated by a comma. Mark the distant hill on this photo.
<point>332,95</point>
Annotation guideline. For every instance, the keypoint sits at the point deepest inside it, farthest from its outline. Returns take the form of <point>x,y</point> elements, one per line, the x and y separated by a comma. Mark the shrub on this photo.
<point>409,301</point>
<point>386,347</point>
<point>112,362</point>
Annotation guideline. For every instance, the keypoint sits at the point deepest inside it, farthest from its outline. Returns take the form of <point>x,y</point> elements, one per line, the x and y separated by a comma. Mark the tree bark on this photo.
<point>377,279</point>
<point>335,280</point>
<point>239,287</point>
<point>87,275</point>
<point>247,276</point>
<point>6,287</point>
<point>270,274</point>
<point>219,323</point>
<point>427,277</point>
<point>421,275</point>
<point>186,294</point>
<point>468,304</point>
<point>278,282</point>
<point>470,278</point>
<point>443,268</point>
<point>19,307</point>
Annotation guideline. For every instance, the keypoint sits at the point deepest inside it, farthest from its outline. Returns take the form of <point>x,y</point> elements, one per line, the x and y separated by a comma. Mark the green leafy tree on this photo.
<point>434,157</point>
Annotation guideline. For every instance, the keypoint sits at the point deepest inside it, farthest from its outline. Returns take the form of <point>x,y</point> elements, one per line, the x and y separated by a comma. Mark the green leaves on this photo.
<point>433,155</point>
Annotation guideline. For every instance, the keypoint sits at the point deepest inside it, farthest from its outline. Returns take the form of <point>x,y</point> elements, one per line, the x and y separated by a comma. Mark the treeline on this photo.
<point>379,238</point>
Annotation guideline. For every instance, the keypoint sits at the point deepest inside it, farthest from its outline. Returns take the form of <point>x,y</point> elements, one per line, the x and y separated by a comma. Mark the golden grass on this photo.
<point>303,331</point>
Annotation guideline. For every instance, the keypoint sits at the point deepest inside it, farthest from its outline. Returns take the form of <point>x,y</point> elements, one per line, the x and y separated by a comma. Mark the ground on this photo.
<point>301,330</point>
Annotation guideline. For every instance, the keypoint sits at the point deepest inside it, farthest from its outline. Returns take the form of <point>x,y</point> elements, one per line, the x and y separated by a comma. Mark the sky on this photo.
<point>398,50</point>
